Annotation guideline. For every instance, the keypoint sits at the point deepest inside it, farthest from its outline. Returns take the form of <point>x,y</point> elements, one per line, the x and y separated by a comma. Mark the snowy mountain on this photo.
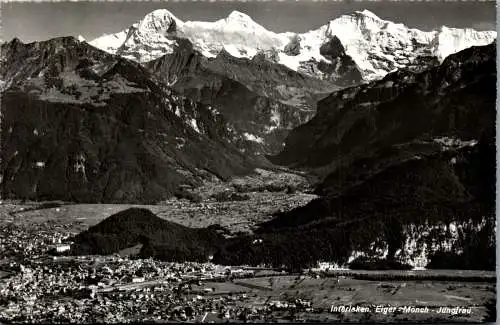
<point>377,46</point>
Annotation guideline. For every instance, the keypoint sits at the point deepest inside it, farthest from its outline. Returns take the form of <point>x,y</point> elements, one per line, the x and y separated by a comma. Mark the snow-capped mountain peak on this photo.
<point>159,21</point>
<point>379,46</point>
<point>237,20</point>
<point>367,13</point>
<point>237,16</point>
<point>162,14</point>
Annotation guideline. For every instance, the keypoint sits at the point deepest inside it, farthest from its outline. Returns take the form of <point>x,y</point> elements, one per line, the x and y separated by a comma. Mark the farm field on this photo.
<point>323,293</point>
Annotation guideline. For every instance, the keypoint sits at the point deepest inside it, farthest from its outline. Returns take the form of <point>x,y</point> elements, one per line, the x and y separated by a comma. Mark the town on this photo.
<point>39,283</point>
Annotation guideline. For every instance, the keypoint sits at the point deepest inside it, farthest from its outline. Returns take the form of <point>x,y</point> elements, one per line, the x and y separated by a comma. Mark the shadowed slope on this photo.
<point>161,238</point>
<point>83,125</point>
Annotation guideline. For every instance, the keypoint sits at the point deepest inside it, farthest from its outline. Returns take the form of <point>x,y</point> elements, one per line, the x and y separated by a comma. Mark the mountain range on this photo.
<point>235,62</point>
<point>375,45</point>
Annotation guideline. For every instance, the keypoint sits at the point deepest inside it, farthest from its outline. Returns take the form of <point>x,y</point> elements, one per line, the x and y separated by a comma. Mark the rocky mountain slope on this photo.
<point>434,212</point>
<point>374,45</point>
<point>262,100</point>
<point>80,124</point>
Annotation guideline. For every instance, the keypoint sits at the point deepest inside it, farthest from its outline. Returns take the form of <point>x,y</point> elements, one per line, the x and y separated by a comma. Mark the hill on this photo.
<point>160,238</point>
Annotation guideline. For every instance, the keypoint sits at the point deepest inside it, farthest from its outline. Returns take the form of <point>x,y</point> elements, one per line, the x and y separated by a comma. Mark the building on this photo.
<point>61,248</point>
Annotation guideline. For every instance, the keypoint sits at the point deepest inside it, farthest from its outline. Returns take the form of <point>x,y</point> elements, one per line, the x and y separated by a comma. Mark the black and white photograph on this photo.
<point>214,161</point>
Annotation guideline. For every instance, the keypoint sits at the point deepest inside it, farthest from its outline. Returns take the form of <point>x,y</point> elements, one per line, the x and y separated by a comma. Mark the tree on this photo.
<point>393,230</point>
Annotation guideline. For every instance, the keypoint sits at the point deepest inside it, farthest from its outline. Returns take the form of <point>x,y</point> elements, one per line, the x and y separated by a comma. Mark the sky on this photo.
<point>32,21</point>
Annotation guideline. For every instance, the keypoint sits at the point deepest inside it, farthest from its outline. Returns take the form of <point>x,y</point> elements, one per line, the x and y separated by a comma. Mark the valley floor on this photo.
<point>236,216</point>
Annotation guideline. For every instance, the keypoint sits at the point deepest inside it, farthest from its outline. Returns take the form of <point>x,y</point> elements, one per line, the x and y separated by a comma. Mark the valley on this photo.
<point>258,205</point>
<point>216,171</point>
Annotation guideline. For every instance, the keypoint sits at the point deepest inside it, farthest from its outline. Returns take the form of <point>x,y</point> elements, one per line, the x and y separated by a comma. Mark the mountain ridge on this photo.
<point>378,46</point>
<point>443,117</point>
<point>82,125</point>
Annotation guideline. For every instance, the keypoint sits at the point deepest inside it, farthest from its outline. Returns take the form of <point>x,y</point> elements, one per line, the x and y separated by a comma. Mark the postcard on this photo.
<point>248,161</point>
